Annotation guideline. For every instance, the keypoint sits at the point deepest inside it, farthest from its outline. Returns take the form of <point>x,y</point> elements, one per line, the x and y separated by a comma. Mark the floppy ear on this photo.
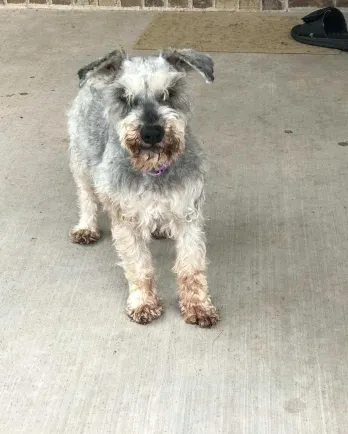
<point>187,60</point>
<point>102,71</point>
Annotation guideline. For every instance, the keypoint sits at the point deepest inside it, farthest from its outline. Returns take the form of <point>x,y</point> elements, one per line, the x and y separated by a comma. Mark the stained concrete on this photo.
<point>70,360</point>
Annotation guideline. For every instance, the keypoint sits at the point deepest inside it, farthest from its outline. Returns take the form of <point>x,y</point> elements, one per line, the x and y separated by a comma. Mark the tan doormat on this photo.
<point>225,32</point>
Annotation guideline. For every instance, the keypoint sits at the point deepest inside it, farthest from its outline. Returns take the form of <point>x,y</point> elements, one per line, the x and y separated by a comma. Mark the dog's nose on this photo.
<point>151,135</point>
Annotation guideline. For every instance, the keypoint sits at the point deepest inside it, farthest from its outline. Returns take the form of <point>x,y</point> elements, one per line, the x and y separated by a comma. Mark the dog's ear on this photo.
<point>187,60</point>
<point>103,71</point>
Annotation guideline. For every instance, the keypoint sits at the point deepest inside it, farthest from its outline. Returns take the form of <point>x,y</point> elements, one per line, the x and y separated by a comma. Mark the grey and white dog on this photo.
<point>132,151</point>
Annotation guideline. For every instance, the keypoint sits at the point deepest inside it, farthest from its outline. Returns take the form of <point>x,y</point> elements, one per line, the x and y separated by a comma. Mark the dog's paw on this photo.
<point>145,313</point>
<point>204,315</point>
<point>84,236</point>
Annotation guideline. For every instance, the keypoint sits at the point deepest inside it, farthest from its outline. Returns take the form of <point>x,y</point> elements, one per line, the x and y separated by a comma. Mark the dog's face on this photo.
<point>147,101</point>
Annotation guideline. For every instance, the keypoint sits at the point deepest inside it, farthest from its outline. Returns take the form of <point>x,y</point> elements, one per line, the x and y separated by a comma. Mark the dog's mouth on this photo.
<point>154,158</point>
<point>159,155</point>
<point>158,148</point>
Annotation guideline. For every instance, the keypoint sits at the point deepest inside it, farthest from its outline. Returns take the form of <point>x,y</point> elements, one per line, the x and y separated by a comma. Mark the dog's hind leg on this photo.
<point>87,230</point>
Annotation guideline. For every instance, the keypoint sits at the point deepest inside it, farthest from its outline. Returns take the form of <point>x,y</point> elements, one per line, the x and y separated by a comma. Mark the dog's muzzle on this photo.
<point>151,135</point>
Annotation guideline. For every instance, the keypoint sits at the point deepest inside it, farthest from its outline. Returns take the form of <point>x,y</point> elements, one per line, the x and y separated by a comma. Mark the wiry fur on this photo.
<point>118,96</point>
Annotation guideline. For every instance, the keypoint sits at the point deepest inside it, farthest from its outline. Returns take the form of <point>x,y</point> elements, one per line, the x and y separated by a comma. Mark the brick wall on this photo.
<point>242,5</point>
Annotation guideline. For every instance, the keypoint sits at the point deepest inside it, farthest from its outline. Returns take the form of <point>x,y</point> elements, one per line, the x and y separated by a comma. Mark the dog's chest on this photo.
<point>148,204</point>
<point>147,208</point>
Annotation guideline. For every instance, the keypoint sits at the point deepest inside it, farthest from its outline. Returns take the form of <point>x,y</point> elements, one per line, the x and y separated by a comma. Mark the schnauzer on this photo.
<point>131,150</point>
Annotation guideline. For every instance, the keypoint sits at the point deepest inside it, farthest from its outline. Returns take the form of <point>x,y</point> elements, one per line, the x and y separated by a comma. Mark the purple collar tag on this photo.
<point>157,172</point>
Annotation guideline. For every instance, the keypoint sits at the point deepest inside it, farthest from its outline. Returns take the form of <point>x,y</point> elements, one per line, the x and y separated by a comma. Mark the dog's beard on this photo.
<point>172,145</point>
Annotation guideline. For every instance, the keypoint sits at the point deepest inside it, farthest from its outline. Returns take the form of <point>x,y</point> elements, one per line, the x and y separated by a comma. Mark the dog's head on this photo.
<point>147,100</point>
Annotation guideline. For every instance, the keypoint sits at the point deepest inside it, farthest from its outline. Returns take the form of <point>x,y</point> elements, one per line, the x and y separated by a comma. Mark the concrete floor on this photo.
<point>70,360</point>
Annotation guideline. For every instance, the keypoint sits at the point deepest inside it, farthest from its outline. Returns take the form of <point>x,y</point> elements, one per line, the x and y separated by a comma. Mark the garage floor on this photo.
<point>274,128</point>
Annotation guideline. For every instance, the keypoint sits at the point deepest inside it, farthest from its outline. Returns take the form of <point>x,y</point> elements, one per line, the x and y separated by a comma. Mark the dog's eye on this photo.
<point>167,94</point>
<point>171,92</point>
<point>122,97</point>
<point>128,100</point>
<point>163,97</point>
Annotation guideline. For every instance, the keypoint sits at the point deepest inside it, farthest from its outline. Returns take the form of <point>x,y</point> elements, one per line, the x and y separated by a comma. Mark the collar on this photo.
<point>158,172</point>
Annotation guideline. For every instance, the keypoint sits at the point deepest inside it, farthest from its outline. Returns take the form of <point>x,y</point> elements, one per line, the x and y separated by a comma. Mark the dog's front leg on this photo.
<point>195,304</point>
<point>143,303</point>
<point>87,230</point>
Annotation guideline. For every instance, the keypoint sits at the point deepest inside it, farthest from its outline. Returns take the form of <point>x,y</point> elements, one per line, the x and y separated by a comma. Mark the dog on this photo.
<point>132,150</point>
